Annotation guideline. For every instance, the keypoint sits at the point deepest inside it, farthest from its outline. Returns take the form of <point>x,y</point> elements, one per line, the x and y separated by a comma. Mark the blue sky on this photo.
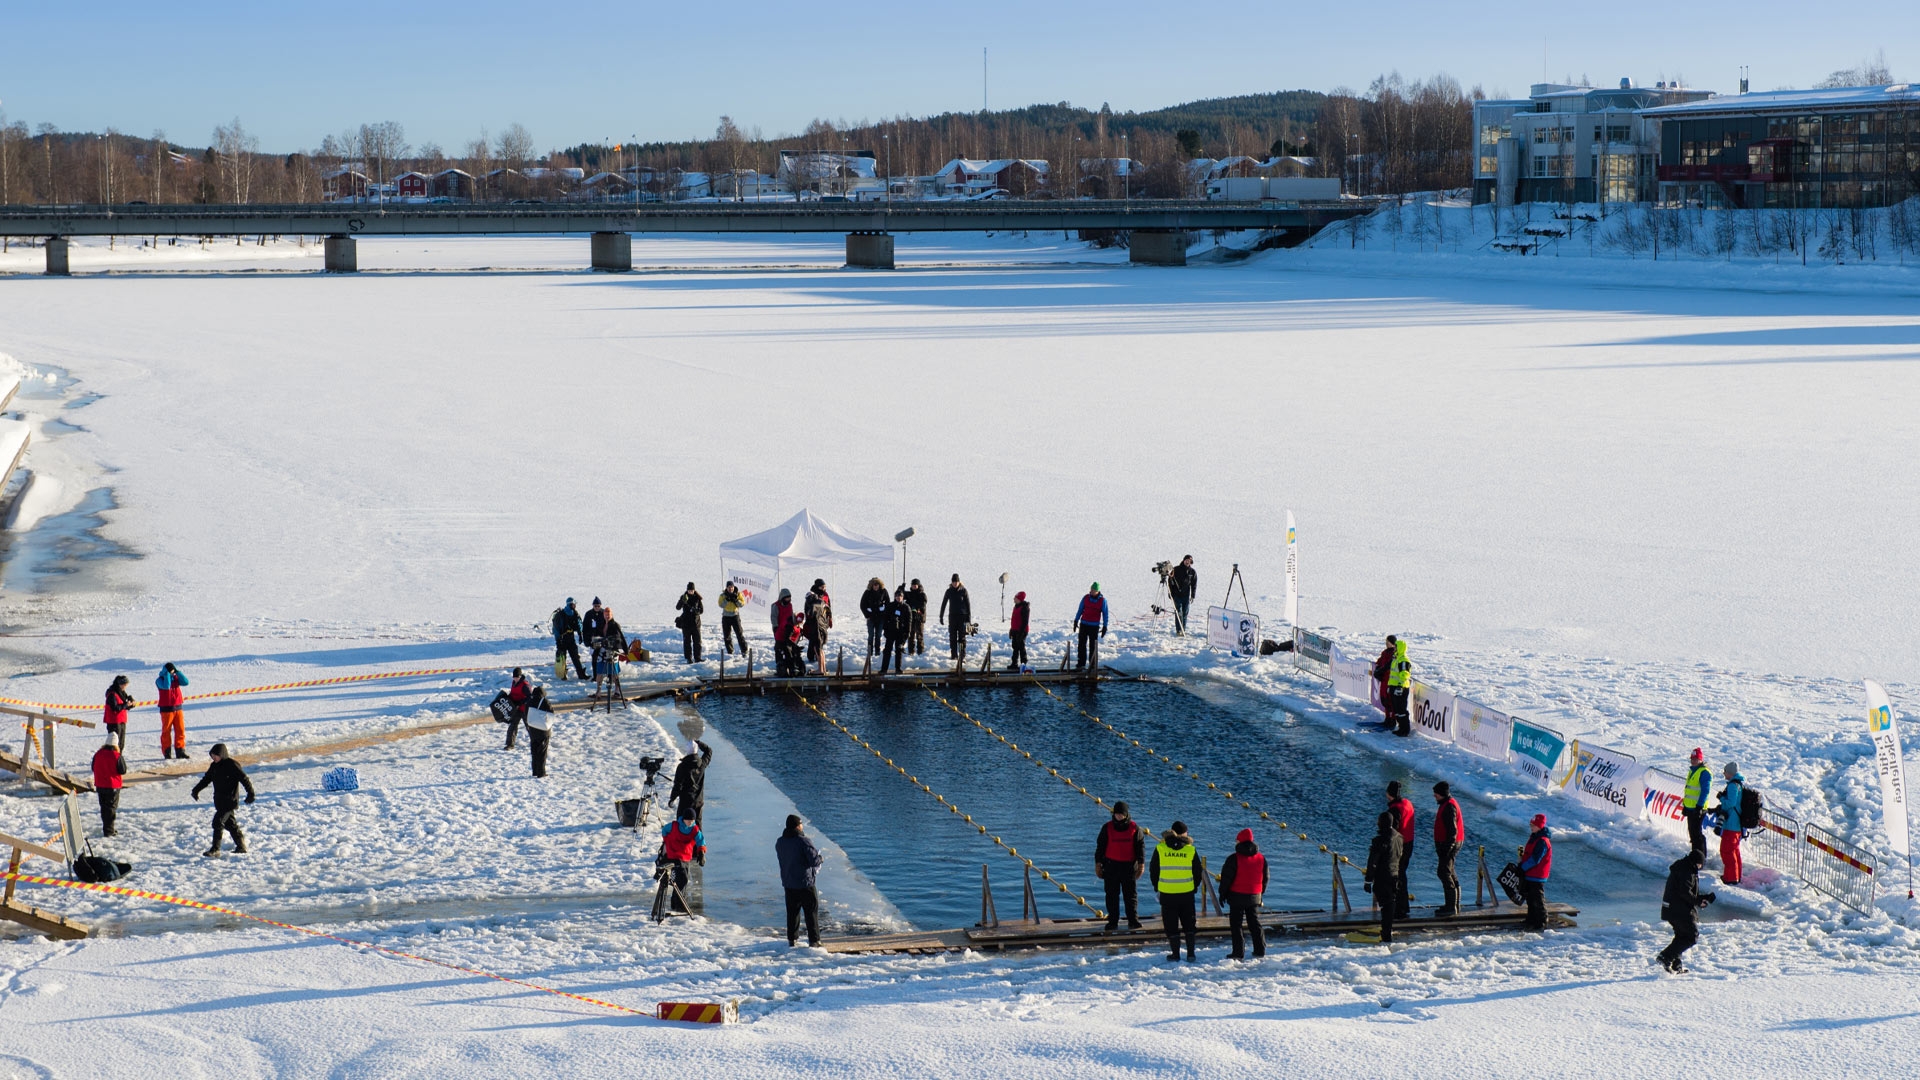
<point>588,69</point>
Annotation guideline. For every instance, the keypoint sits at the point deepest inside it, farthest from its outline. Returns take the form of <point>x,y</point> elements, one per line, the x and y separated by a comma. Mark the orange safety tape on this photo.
<point>115,890</point>
<point>335,681</point>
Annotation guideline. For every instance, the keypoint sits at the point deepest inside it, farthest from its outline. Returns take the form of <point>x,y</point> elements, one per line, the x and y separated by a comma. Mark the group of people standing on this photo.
<point>1391,852</point>
<point>1174,868</point>
<point>109,764</point>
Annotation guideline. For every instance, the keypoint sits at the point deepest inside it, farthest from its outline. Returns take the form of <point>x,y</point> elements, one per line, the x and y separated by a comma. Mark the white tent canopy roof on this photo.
<point>803,542</point>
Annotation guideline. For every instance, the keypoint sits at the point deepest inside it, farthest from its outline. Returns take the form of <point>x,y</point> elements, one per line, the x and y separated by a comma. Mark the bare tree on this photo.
<point>514,147</point>
<point>235,149</point>
<point>381,144</point>
<point>1869,72</point>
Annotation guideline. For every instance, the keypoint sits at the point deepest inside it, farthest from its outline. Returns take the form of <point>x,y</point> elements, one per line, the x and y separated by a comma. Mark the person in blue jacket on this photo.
<point>1091,620</point>
<point>1536,865</point>
<point>1731,797</point>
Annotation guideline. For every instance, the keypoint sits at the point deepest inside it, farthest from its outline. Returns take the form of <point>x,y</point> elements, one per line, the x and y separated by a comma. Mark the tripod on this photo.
<point>1233,579</point>
<point>612,658</point>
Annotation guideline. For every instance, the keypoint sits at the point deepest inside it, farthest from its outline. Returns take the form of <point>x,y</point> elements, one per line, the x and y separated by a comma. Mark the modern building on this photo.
<point>1572,144</point>
<point>1845,147</point>
<point>826,172</point>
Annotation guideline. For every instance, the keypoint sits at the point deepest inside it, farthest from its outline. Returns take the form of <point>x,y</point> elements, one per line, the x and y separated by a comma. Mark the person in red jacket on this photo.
<point>1536,865</point>
<point>1402,811</point>
<point>173,722</point>
<point>115,717</point>
<point>1119,858</point>
<point>1449,832</point>
<point>517,696</point>
<point>1383,667</point>
<point>109,765</point>
<point>783,634</point>
<point>1243,882</point>
<point>681,843</point>
<point>1017,630</point>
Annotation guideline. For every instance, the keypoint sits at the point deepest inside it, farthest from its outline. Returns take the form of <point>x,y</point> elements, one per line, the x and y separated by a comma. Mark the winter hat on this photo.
<point>916,581</point>
<point>596,601</point>
<point>1383,823</point>
<point>1539,821</point>
<point>1698,755</point>
<point>793,821</point>
<point>1443,789</point>
<point>689,586</point>
<point>1096,587</point>
<point>1180,828</point>
<point>686,813</point>
<point>218,749</point>
<point>1393,789</point>
<point>1019,596</point>
<point>1120,807</point>
<point>956,578</point>
<point>1245,837</point>
<point>1391,640</point>
<point>819,583</point>
<point>517,673</point>
<point>786,594</point>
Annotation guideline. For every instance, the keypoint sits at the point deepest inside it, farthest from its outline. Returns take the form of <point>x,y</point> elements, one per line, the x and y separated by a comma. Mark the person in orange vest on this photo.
<point>115,716</point>
<point>109,765</point>
<point>1243,882</point>
<point>173,722</point>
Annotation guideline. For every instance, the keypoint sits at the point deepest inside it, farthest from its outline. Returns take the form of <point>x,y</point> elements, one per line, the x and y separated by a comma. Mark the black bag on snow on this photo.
<point>1750,806</point>
<point>97,868</point>
<point>502,710</point>
<point>1509,880</point>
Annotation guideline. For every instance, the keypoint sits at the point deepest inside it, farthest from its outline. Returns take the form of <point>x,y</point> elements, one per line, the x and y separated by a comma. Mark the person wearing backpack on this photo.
<point>690,606</point>
<point>1693,803</point>
<point>109,765</point>
<point>566,641</point>
<point>1680,907</point>
<point>173,721</point>
<point>1734,816</point>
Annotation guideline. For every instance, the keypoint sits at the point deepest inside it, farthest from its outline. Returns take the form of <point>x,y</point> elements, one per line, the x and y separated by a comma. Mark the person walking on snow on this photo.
<point>690,606</point>
<point>1385,857</point>
<point>1732,797</point>
<point>1175,871</point>
<point>1183,585</point>
<point>1694,800</point>
<point>1449,832</point>
<point>566,641</point>
<point>109,765</point>
<point>783,626</point>
<point>1017,630</point>
<point>731,601</point>
<point>873,606</point>
<point>115,717</point>
<point>1403,823</point>
<point>956,610</point>
<point>227,778</point>
<point>1091,623</point>
<point>1119,858</point>
<point>690,779</point>
<point>819,611</point>
<point>1243,882</point>
<point>1680,907</point>
<point>173,721</point>
<point>681,842</point>
<point>896,622</point>
<point>516,696</point>
<point>799,862</point>
<point>539,717</point>
<point>1536,866</point>
<point>917,600</point>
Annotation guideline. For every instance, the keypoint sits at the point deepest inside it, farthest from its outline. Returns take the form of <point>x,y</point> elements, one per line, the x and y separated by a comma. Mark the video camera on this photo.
<point>652,767</point>
<point>1164,568</point>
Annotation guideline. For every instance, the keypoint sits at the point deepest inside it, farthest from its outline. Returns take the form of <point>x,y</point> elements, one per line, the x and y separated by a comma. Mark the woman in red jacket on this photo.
<point>1017,630</point>
<point>108,767</point>
<point>118,702</point>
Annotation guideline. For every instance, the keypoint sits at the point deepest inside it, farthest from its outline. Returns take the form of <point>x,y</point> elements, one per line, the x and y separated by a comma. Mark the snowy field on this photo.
<point>1662,509</point>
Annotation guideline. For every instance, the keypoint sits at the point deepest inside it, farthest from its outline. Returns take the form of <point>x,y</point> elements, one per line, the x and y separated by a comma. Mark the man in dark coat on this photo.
<point>1182,586</point>
<point>690,779</point>
<point>1383,873</point>
<point>819,612</point>
<point>956,610</point>
<point>799,861</point>
<point>917,600</point>
<point>1119,858</point>
<point>690,606</point>
<point>1243,884</point>
<point>896,622</point>
<point>593,624</point>
<point>227,778</point>
<point>1680,906</point>
<point>1403,823</point>
<point>566,637</point>
<point>873,606</point>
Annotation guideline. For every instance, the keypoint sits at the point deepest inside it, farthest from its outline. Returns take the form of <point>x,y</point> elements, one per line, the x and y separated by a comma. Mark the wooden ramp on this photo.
<point>1091,933</point>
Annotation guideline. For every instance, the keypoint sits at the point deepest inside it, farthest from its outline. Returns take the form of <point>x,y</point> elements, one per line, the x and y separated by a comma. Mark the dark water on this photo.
<point>927,861</point>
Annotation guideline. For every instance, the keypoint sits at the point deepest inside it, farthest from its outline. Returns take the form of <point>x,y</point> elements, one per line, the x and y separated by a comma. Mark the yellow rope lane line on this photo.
<point>951,807</point>
<point>337,680</point>
<point>1191,774</point>
<point>1015,747</point>
<point>115,890</point>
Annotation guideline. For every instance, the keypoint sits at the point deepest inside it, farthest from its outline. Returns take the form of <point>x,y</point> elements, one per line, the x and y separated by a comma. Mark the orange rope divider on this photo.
<point>338,680</point>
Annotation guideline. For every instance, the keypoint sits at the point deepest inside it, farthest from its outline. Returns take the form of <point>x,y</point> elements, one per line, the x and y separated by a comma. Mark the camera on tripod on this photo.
<point>652,766</point>
<point>972,628</point>
<point>1165,569</point>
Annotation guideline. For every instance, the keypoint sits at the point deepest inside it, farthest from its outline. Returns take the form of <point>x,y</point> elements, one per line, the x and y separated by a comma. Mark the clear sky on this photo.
<point>589,69</point>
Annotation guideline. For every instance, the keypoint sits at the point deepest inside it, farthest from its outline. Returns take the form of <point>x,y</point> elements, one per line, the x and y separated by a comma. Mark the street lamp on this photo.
<point>901,538</point>
<point>887,139</point>
<point>1351,136</point>
<point>1126,177</point>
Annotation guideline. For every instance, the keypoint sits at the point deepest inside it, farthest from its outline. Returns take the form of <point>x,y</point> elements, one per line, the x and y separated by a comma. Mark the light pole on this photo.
<point>887,139</point>
<point>1351,156</point>
<point>1126,176</point>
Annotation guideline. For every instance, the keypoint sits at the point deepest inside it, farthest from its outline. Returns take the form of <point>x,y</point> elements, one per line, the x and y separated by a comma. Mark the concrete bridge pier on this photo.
<point>613,252</point>
<point>1157,247</point>
<point>341,255</point>
<point>871,251</point>
<point>57,256</point>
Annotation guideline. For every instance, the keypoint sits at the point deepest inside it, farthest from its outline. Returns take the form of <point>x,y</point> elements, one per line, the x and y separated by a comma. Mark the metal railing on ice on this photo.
<point>1313,653</point>
<point>1817,856</point>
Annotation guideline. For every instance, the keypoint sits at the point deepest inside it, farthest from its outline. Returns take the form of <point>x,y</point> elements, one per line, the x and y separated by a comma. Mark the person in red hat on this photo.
<point>1536,865</point>
<point>1243,882</point>
<point>1017,630</point>
<point>1694,801</point>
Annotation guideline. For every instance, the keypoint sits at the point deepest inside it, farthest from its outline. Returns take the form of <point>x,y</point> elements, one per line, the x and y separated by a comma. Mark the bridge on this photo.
<point>1157,228</point>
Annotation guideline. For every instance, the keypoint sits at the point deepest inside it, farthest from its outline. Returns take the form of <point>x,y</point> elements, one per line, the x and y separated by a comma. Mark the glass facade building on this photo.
<point>1572,144</point>
<point>1845,147</point>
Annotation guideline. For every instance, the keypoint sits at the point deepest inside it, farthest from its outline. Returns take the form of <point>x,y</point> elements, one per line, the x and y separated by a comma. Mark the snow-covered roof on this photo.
<point>1839,97</point>
<point>606,177</point>
<point>991,166</point>
<point>453,172</point>
<point>408,173</point>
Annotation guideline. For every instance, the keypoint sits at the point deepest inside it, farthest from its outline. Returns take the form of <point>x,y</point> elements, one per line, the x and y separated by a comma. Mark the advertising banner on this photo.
<point>1602,778</point>
<point>1481,730</point>
<point>1664,797</point>
<point>1353,678</point>
<point>1537,750</point>
<point>1237,632</point>
<point>756,585</point>
<point>1308,645</point>
<point>1886,758</point>
<point>1293,573</point>
<point>1432,712</point>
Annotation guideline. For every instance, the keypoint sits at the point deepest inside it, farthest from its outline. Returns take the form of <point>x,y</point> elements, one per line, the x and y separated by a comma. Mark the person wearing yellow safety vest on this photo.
<point>1175,869</point>
<point>1694,804</point>
<point>1399,688</point>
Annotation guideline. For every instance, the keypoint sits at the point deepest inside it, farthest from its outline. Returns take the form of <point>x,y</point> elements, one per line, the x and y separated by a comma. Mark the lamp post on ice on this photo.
<point>901,538</point>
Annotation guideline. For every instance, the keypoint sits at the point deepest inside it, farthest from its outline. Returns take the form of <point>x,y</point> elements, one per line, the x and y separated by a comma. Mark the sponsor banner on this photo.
<point>1481,730</point>
<point>1885,733</point>
<point>1664,798</point>
<point>756,585</point>
<point>1308,645</point>
<point>1293,573</point>
<point>1602,778</point>
<point>1237,632</point>
<point>1536,750</point>
<point>1432,712</point>
<point>1353,678</point>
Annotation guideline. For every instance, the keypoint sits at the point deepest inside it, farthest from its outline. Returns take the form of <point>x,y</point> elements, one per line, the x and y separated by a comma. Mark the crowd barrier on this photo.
<point>1597,776</point>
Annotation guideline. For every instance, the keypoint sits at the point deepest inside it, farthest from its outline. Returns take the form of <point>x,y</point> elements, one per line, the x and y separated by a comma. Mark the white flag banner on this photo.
<point>1351,678</point>
<point>1237,632</point>
<point>1293,573</point>
<point>1603,778</point>
<point>1481,730</point>
<point>756,584</point>
<point>1886,758</point>
<point>1432,712</point>
<point>1665,799</point>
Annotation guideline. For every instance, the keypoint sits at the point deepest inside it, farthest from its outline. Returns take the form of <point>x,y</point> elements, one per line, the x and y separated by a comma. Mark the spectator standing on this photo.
<point>610,648</point>
<point>115,717</point>
<point>1243,884</point>
<point>227,778</point>
<point>1183,585</point>
<point>1385,856</point>
<point>593,624</point>
<point>517,695</point>
<point>690,606</point>
<point>897,622</point>
<point>956,610</point>
<point>109,765</point>
<point>1119,858</point>
<point>1017,629</point>
<point>1175,870</point>
<point>873,607</point>
<point>784,621</point>
<point>731,601</point>
<point>1693,805</point>
<point>1403,823</point>
<point>1382,667</point>
<point>539,729</point>
<point>819,621</point>
<point>173,718</point>
<point>1536,866</point>
<point>1091,622</point>
<point>1449,832</point>
<point>799,863</point>
<point>917,600</point>
<point>1732,800</point>
<point>1400,691</point>
<point>566,641</point>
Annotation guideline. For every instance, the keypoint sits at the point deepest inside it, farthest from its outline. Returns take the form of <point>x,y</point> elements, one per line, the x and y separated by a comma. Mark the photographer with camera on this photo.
<point>691,606</point>
<point>680,843</point>
<point>1680,907</point>
<point>956,610</point>
<point>1183,584</point>
<point>1091,621</point>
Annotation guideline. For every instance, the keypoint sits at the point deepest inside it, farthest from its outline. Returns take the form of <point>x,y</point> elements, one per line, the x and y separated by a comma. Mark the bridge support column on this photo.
<point>57,256</point>
<point>613,252</point>
<point>1157,248</point>
<point>341,255</point>
<point>872,251</point>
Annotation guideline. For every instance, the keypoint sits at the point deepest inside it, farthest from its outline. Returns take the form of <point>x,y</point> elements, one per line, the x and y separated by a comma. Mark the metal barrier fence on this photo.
<point>1817,856</point>
<point>1780,842</point>
<point>1313,653</point>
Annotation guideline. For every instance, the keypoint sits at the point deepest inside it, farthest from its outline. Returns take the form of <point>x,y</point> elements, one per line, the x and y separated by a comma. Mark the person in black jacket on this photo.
<point>896,621</point>
<point>566,637</point>
<point>819,612</point>
<point>690,779</point>
<point>593,624</point>
<point>227,778</point>
<point>1183,585</point>
<point>1383,873</point>
<point>873,605</point>
<point>917,600</point>
<point>956,610</point>
<point>691,607</point>
<point>799,861</point>
<point>1119,858</point>
<point>1680,906</point>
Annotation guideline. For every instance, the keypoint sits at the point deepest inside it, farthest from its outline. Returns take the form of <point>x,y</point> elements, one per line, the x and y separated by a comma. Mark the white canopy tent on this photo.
<point>801,543</point>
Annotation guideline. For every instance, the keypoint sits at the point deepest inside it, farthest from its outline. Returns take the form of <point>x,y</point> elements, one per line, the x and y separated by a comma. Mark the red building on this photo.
<point>410,185</point>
